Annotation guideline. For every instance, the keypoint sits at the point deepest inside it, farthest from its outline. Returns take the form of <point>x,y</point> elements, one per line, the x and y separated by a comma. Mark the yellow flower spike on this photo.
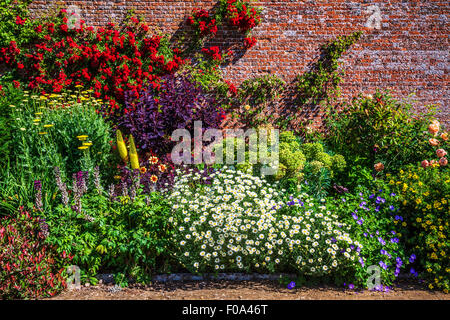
<point>48,125</point>
<point>83,147</point>
<point>87,144</point>
<point>134,159</point>
<point>36,120</point>
<point>121,146</point>
<point>42,133</point>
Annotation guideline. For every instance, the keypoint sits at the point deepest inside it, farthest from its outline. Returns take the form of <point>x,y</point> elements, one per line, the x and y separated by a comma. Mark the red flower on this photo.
<point>16,84</point>
<point>249,42</point>
<point>20,21</point>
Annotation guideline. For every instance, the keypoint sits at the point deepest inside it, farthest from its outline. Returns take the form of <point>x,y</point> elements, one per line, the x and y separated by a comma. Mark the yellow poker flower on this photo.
<point>48,125</point>
<point>123,152</point>
<point>83,147</point>
<point>134,159</point>
<point>42,133</point>
<point>36,120</point>
<point>87,144</point>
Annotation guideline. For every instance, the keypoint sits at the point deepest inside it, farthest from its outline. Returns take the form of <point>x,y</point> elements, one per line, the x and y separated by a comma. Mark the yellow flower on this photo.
<point>36,120</point>
<point>82,137</point>
<point>78,86</point>
<point>419,201</point>
<point>430,286</point>
<point>419,220</point>
<point>123,152</point>
<point>83,147</point>
<point>42,133</point>
<point>117,177</point>
<point>134,159</point>
<point>404,224</point>
<point>87,144</point>
<point>38,113</point>
<point>48,125</point>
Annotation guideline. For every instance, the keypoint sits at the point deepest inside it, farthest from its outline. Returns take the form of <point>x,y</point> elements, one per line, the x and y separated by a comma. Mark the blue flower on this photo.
<point>383,265</point>
<point>395,240</point>
<point>291,285</point>
<point>372,196</point>
<point>412,258</point>
<point>392,207</point>
<point>392,194</point>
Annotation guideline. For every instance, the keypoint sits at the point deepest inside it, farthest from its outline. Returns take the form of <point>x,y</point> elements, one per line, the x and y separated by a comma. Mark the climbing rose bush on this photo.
<point>110,60</point>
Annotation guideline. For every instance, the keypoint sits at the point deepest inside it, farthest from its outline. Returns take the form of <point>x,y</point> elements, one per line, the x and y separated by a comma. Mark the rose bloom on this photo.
<point>443,161</point>
<point>441,153</point>
<point>433,128</point>
<point>433,142</point>
<point>379,166</point>
<point>444,136</point>
<point>425,163</point>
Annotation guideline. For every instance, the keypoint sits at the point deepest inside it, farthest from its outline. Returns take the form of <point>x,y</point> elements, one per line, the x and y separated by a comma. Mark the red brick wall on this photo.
<point>409,53</point>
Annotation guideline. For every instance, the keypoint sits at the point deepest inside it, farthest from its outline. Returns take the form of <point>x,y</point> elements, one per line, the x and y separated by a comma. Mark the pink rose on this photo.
<point>444,136</point>
<point>443,162</point>
<point>441,153</point>
<point>425,163</point>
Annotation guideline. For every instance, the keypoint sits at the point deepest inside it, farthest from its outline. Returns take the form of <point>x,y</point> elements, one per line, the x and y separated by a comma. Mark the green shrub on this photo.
<point>424,197</point>
<point>379,129</point>
<point>376,223</point>
<point>128,235</point>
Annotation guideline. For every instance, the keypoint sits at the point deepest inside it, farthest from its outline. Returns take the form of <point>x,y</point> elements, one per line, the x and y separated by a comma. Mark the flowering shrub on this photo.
<point>228,220</point>
<point>202,22</point>
<point>28,267</point>
<point>375,222</point>
<point>241,14</point>
<point>317,243</point>
<point>152,119</point>
<point>424,195</point>
<point>379,129</point>
<point>108,60</point>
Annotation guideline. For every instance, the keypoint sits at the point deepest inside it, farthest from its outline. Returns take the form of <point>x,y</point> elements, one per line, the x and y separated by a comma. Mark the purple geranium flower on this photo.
<point>291,285</point>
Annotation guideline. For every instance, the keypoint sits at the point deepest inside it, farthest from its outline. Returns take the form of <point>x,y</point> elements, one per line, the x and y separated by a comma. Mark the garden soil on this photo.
<point>244,290</point>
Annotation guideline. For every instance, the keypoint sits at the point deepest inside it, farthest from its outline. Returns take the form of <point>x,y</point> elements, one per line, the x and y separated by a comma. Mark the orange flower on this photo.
<point>154,178</point>
<point>443,162</point>
<point>444,136</point>
<point>433,128</point>
<point>143,170</point>
<point>433,142</point>
<point>379,166</point>
<point>153,160</point>
<point>162,168</point>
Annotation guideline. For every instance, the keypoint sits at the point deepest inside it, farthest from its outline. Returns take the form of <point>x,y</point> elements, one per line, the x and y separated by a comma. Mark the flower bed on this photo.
<point>89,122</point>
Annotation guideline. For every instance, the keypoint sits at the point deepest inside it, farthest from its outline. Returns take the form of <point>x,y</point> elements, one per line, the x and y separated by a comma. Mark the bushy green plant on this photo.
<point>379,129</point>
<point>49,131</point>
<point>126,233</point>
<point>424,195</point>
<point>15,23</point>
<point>376,223</point>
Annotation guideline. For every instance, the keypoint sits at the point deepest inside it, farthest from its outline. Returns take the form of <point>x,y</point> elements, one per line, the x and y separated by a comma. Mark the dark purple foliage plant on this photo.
<point>176,105</point>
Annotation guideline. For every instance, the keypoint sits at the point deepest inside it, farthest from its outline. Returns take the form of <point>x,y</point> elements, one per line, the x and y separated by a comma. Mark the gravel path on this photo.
<point>243,290</point>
